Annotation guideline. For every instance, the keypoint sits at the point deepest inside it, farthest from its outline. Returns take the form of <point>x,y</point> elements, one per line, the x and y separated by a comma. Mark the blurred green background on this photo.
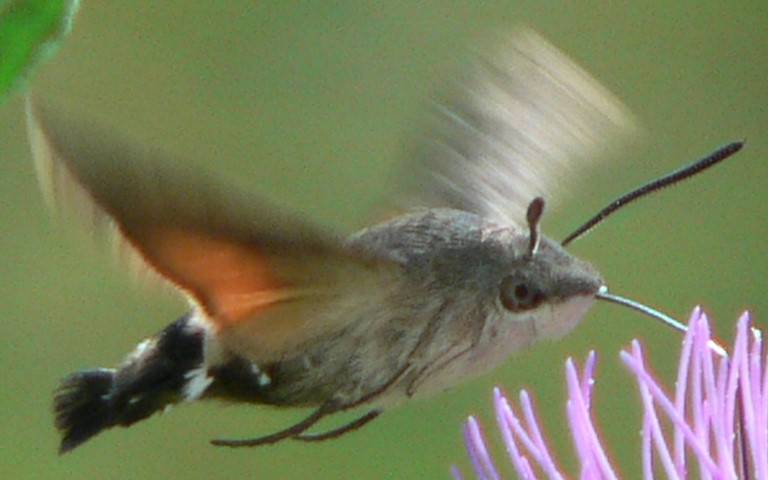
<point>308,105</point>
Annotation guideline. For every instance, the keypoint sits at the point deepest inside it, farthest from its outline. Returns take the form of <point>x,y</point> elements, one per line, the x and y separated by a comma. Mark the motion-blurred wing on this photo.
<point>519,120</point>
<point>234,257</point>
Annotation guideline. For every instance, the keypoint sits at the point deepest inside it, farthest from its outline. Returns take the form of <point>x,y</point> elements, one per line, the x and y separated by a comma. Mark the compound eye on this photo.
<point>519,294</point>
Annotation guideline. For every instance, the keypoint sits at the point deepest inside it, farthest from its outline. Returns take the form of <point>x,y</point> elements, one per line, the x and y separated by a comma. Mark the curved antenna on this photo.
<point>603,294</point>
<point>533,216</point>
<point>671,178</point>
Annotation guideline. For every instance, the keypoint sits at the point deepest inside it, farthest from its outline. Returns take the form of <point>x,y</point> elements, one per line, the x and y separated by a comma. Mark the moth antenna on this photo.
<point>654,185</point>
<point>533,216</point>
<point>603,294</point>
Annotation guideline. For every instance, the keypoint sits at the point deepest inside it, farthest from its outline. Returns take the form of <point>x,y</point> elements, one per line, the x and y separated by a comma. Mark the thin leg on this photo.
<point>289,432</point>
<point>297,430</point>
<point>337,432</point>
<point>433,368</point>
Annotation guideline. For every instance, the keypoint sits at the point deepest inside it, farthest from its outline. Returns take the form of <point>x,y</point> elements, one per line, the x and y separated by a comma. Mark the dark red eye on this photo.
<point>519,294</point>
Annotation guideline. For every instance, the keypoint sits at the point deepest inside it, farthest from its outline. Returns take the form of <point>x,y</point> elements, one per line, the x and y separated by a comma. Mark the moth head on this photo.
<point>541,282</point>
<point>551,288</point>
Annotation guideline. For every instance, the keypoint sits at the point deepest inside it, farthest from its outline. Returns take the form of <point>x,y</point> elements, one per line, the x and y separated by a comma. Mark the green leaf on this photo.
<point>30,30</point>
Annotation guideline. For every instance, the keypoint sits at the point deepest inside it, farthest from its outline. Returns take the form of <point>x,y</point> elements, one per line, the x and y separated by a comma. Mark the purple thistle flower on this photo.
<point>716,419</point>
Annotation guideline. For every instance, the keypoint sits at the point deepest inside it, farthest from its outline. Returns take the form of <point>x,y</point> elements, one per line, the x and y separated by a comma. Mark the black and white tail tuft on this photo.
<point>82,406</point>
<point>162,371</point>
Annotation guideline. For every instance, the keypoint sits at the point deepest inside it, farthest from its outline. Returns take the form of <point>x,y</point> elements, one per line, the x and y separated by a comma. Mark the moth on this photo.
<point>287,313</point>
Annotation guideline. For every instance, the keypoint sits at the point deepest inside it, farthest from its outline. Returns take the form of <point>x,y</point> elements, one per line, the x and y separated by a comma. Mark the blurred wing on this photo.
<point>519,120</point>
<point>231,255</point>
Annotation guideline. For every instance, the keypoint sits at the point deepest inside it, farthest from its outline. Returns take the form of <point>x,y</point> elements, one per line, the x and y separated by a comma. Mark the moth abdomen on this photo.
<point>161,371</point>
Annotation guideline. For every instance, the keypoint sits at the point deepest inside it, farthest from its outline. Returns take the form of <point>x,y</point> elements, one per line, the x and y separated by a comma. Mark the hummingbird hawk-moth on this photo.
<point>286,313</point>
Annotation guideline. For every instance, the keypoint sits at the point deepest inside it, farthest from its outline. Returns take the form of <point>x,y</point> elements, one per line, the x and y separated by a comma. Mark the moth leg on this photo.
<point>445,359</point>
<point>360,421</point>
<point>292,431</point>
<point>297,430</point>
<point>337,432</point>
<point>432,368</point>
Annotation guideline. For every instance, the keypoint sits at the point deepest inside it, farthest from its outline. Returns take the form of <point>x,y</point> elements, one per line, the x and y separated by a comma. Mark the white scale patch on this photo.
<point>264,379</point>
<point>140,350</point>
<point>197,382</point>
<point>261,377</point>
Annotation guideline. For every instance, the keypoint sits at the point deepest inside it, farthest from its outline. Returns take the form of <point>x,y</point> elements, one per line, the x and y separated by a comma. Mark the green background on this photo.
<point>307,105</point>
